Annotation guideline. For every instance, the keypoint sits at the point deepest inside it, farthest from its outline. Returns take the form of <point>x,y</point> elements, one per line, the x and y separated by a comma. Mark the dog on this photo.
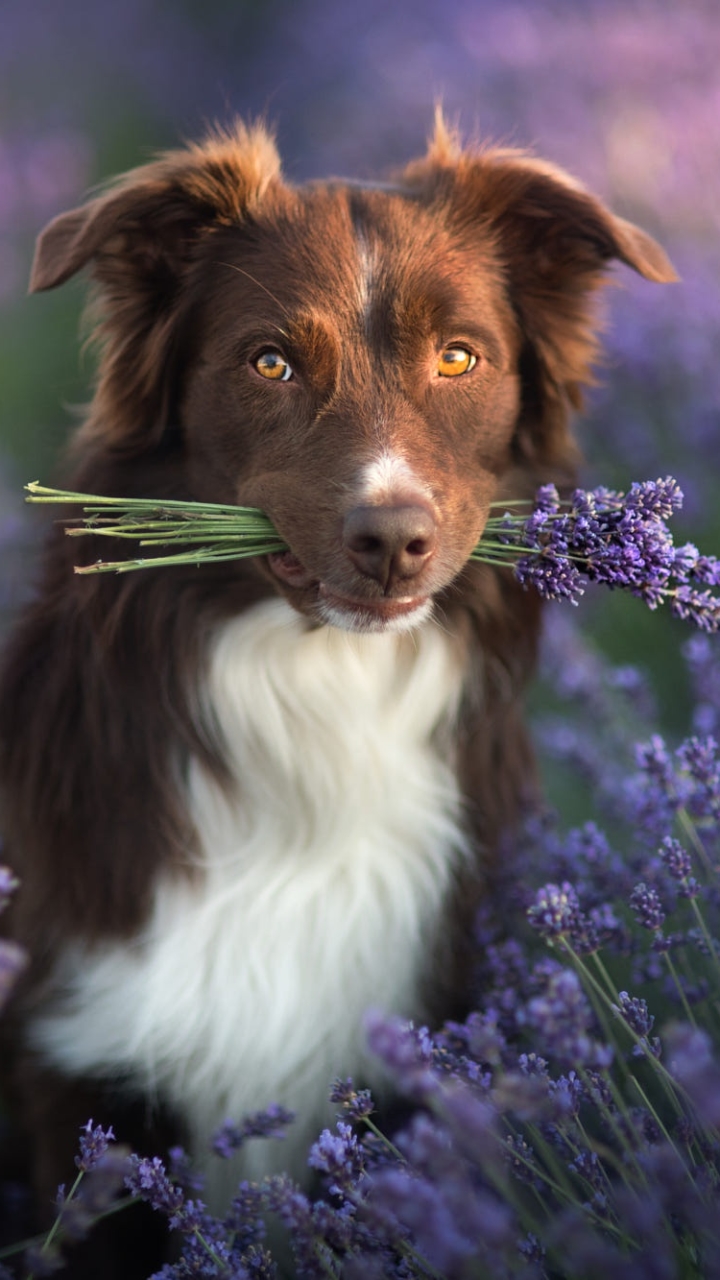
<point>247,802</point>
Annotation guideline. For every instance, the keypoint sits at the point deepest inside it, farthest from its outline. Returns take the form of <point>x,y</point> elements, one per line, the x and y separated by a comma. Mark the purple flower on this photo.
<point>356,1103</point>
<point>472,1121</point>
<point>635,1012</point>
<point>42,1260</point>
<point>104,1180</point>
<point>521,1093</point>
<point>148,1180</point>
<point>553,577</point>
<point>700,654</point>
<point>427,1146</point>
<point>562,1018</point>
<point>449,1223</point>
<point>311,1254</point>
<point>699,758</point>
<point>479,1035</point>
<point>588,1166</point>
<point>675,859</point>
<point>690,1060</point>
<point>555,912</point>
<point>181,1171</point>
<point>678,864</point>
<point>532,1252</point>
<point>567,1093</point>
<point>701,608</point>
<point>647,907</point>
<point>520,1160</point>
<point>619,540</point>
<point>405,1051</point>
<point>338,1156</point>
<point>655,499</point>
<point>269,1123</point>
<point>547,500</point>
<point>94,1142</point>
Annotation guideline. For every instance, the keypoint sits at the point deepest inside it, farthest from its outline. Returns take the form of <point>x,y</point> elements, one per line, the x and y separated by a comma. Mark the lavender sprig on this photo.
<point>555,546</point>
<point>620,540</point>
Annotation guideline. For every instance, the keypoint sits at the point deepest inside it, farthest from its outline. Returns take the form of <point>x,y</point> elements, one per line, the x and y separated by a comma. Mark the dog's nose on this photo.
<point>389,543</point>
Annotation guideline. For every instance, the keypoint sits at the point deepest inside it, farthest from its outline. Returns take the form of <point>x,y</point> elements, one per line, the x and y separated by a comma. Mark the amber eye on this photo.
<point>455,360</point>
<point>274,366</point>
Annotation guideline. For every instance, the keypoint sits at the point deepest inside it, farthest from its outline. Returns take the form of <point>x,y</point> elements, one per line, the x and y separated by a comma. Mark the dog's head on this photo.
<point>370,364</point>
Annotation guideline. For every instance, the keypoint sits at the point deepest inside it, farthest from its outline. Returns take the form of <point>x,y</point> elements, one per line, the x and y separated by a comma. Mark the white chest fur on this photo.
<point>324,872</point>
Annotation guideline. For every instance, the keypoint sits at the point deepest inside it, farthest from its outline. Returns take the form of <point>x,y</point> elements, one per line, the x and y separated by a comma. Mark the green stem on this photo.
<point>56,1224</point>
<point>656,1117</point>
<point>678,984</point>
<point>384,1139</point>
<point>690,830</point>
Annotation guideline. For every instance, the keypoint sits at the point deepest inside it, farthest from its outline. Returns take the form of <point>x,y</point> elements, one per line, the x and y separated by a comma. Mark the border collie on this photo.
<point>248,801</point>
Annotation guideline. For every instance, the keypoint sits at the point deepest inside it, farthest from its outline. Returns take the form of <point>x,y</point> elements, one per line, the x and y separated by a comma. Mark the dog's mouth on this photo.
<point>353,613</point>
<point>286,566</point>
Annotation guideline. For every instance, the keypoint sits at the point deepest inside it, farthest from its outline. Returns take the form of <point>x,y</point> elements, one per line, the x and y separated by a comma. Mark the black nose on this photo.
<point>388,543</point>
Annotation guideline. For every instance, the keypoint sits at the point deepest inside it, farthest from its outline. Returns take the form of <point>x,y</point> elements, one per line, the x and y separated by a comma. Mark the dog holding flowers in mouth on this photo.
<point>250,801</point>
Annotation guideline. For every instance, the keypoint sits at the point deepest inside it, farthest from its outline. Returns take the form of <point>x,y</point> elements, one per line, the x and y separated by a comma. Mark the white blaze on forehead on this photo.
<point>367,263</point>
<point>390,476</point>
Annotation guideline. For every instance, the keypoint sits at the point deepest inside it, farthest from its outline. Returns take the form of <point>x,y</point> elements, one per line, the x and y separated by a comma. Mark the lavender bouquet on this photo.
<point>599,535</point>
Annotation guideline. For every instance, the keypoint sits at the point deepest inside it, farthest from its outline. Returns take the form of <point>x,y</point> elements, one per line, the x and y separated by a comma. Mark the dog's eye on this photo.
<point>455,360</point>
<point>271,364</point>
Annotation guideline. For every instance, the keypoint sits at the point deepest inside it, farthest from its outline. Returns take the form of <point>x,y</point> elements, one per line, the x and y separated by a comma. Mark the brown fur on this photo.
<point>199,259</point>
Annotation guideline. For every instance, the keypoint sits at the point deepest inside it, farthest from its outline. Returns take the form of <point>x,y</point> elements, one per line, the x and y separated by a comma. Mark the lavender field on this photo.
<point>571,1127</point>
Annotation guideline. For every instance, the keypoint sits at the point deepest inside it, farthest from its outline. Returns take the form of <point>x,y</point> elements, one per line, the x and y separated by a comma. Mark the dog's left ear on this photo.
<point>553,239</point>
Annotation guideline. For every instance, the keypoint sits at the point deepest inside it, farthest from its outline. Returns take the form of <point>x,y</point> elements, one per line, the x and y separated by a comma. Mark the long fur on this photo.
<point>249,801</point>
<point>322,886</point>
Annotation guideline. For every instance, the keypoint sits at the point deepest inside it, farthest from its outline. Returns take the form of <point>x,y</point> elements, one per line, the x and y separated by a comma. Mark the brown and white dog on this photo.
<point>248,801</point>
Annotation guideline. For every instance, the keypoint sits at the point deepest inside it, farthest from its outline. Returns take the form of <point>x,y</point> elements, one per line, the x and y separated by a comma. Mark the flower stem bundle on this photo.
<point>554,545</point>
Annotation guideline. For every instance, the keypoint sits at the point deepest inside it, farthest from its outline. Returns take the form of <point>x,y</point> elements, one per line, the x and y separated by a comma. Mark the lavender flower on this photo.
<point>104,1180</point>
<point>647,907</point>
<point>701,657</point>
<point>562,1018</point>
<point>520,1160</point>
<point>357,1104</point>
<point>556,911</point>
<point>339,1157</point>
<point>148,1179</point>
<point>261,1124</point>
<point>94,1143</point>
<point>635,1012</point>
<point>41,1260</point>
<point>405,1051</point>
<point>678,864</point>
<point>619,540</point>
<point>691,1061</point>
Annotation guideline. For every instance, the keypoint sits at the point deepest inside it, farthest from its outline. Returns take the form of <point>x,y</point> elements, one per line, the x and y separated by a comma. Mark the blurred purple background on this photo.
<point>624,93</point>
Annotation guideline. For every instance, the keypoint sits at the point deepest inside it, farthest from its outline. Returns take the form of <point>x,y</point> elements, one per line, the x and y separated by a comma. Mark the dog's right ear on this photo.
<point>153,213</point>
<point>140,239</point>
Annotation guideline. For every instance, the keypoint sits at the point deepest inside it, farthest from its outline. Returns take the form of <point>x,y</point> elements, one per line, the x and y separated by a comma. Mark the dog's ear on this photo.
<point>154,212</point>
<point>554,242</point>
<point>139,239</point>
